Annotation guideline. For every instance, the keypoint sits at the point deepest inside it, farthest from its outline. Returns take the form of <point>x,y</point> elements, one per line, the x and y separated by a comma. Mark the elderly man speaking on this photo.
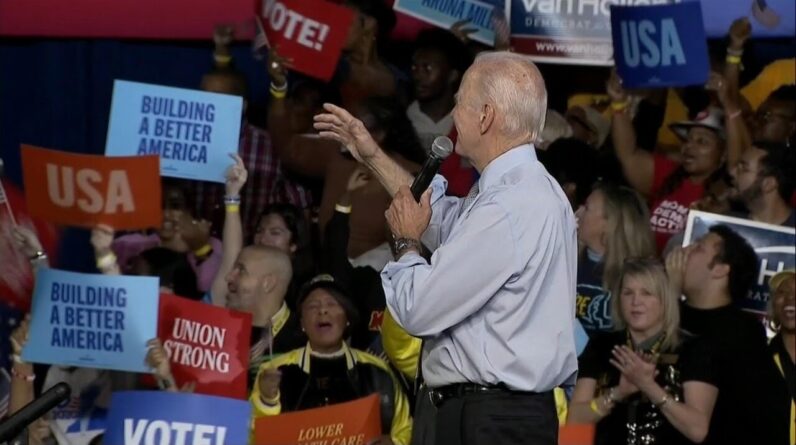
<point>496,303</point>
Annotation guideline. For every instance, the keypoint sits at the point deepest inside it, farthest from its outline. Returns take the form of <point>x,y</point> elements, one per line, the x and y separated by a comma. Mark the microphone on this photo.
<point>440,149</point>
<point>20,420</point>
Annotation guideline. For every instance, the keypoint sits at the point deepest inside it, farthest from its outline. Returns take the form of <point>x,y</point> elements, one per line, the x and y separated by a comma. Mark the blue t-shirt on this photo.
<point>593,306</point>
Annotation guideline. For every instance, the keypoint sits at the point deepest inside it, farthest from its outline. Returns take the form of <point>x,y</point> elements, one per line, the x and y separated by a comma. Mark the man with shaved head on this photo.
<point>257,284</point>
<point>495,304</point>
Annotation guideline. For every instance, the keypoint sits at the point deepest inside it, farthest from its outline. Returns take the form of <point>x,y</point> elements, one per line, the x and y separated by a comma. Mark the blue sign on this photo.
<point>192,131</point>
<point>444,13</point>
<point>96,321</point>
<point>660,46</point>
<point>775,247</point>
<point>157,417</point>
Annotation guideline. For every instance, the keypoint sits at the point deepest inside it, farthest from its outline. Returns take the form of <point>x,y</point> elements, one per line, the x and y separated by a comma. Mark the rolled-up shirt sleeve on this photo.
<point>426,299</point>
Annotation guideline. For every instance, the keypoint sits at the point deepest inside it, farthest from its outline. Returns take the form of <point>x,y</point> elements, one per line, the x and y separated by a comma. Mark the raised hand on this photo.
<point>26,240</point>
<point>740,31</point>
<point>101,240</point>
<point>675,267</point>
<point>339,125</point>
<point>195,233</point>
<point>236,176</point>
<point>278,67</point>
<point>614,88</point>
<point>460,30</point>
<point>158,360</point>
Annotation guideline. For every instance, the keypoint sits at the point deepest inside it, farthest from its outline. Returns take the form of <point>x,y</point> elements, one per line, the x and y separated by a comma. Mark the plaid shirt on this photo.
<point>266,184</point>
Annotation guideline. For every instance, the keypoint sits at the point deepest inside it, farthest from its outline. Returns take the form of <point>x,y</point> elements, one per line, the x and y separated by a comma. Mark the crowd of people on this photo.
<point>300,233</point>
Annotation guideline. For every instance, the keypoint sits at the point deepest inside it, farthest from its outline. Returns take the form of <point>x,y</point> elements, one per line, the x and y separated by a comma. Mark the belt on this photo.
<point>456,390</point>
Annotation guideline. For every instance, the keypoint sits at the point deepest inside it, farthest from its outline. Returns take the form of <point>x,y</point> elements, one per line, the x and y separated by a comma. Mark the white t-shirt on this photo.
<point>425,127</point>
<point>81,418</point>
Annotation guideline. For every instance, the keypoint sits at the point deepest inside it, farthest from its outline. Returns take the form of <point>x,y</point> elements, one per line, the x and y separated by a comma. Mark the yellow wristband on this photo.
<point>278,94</point>
<point>735,60</point>
<point>619,106</point>
<point>203,251</point>
<point>233,208</point>
<point>342,208</point>
<point>595,408</point>
<point>270,402</point>
<point>106,261</point>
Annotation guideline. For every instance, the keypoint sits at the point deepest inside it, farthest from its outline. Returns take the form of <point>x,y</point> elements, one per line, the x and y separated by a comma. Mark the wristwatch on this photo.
<point>402,244</point>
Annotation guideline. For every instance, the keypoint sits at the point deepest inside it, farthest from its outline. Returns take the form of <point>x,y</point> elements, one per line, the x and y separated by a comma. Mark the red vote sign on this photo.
<point>311,32</point>
<point>206,344</point>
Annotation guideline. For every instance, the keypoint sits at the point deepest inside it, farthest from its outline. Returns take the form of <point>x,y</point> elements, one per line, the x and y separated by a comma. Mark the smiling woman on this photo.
<point>646,379</point>
<point>326,371</point>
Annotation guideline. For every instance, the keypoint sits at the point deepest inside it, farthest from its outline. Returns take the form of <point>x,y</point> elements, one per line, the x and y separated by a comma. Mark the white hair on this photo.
<point>512,84</point>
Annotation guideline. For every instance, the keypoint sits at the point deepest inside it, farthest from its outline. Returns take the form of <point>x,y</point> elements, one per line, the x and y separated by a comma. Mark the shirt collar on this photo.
<point>502,164</point>
<point>306,355</point>
<point>279,319</point>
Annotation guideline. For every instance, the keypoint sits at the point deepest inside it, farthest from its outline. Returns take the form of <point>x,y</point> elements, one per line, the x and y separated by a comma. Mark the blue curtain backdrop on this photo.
<point>57,94</point>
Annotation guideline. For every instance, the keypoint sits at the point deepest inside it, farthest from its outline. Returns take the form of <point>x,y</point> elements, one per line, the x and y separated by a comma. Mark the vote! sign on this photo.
<point>206,344</point>
<point>356,422</point>
<point>775,247</point>
<point>311,32</point>
<point>193,132</point>
<point>95,321</point>
<point>87,190</point>
<point>157,418</point>
<point>660,46</point>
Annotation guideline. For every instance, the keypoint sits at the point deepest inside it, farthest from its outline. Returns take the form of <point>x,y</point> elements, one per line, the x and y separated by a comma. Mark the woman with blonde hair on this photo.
<point>645,383</point>
<point>613,224</point>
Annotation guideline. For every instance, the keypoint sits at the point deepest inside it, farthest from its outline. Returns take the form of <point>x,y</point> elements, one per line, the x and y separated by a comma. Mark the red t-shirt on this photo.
<point>669,214</point>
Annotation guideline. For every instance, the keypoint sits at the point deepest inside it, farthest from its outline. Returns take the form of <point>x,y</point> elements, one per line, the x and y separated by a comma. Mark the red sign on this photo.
<point>311,32</point>
<point>155,19</point>
<point>206,344</point>
<point>88,190</point>
<point>16,280</point>
<point>356,422</point>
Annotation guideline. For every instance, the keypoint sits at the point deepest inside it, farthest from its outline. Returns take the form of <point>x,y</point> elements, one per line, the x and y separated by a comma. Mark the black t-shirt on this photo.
<point>749,406</point>
<point>691,361</point>
<point>593,307</point>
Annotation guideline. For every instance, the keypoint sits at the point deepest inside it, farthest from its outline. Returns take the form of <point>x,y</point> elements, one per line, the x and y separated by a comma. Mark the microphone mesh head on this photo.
<point>442,147</point>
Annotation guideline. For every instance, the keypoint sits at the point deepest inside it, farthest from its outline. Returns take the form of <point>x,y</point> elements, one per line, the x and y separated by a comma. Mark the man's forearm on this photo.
<point>390,173</point>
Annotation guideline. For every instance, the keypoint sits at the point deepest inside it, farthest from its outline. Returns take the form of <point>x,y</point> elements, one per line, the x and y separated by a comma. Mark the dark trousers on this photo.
<point>498,418</point>
<point>424,420</point>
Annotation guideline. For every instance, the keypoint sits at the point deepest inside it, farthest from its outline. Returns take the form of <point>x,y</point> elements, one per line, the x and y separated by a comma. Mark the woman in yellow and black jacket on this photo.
<point>326,371</point>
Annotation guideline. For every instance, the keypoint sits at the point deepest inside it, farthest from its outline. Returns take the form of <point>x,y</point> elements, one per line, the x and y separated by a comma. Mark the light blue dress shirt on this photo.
<point>497,302</point>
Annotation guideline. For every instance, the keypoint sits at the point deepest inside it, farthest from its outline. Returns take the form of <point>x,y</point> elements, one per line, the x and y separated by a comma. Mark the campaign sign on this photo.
<point>444,13</point>
<point>356,422</point>
<point>158,417</point>
<point>96,321</point>
<point>206,344</point>
<point>660,46</point>
<point>310,32</point>
<point>87,190</point>
<point>775,247</point>
<point>192,131</point>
